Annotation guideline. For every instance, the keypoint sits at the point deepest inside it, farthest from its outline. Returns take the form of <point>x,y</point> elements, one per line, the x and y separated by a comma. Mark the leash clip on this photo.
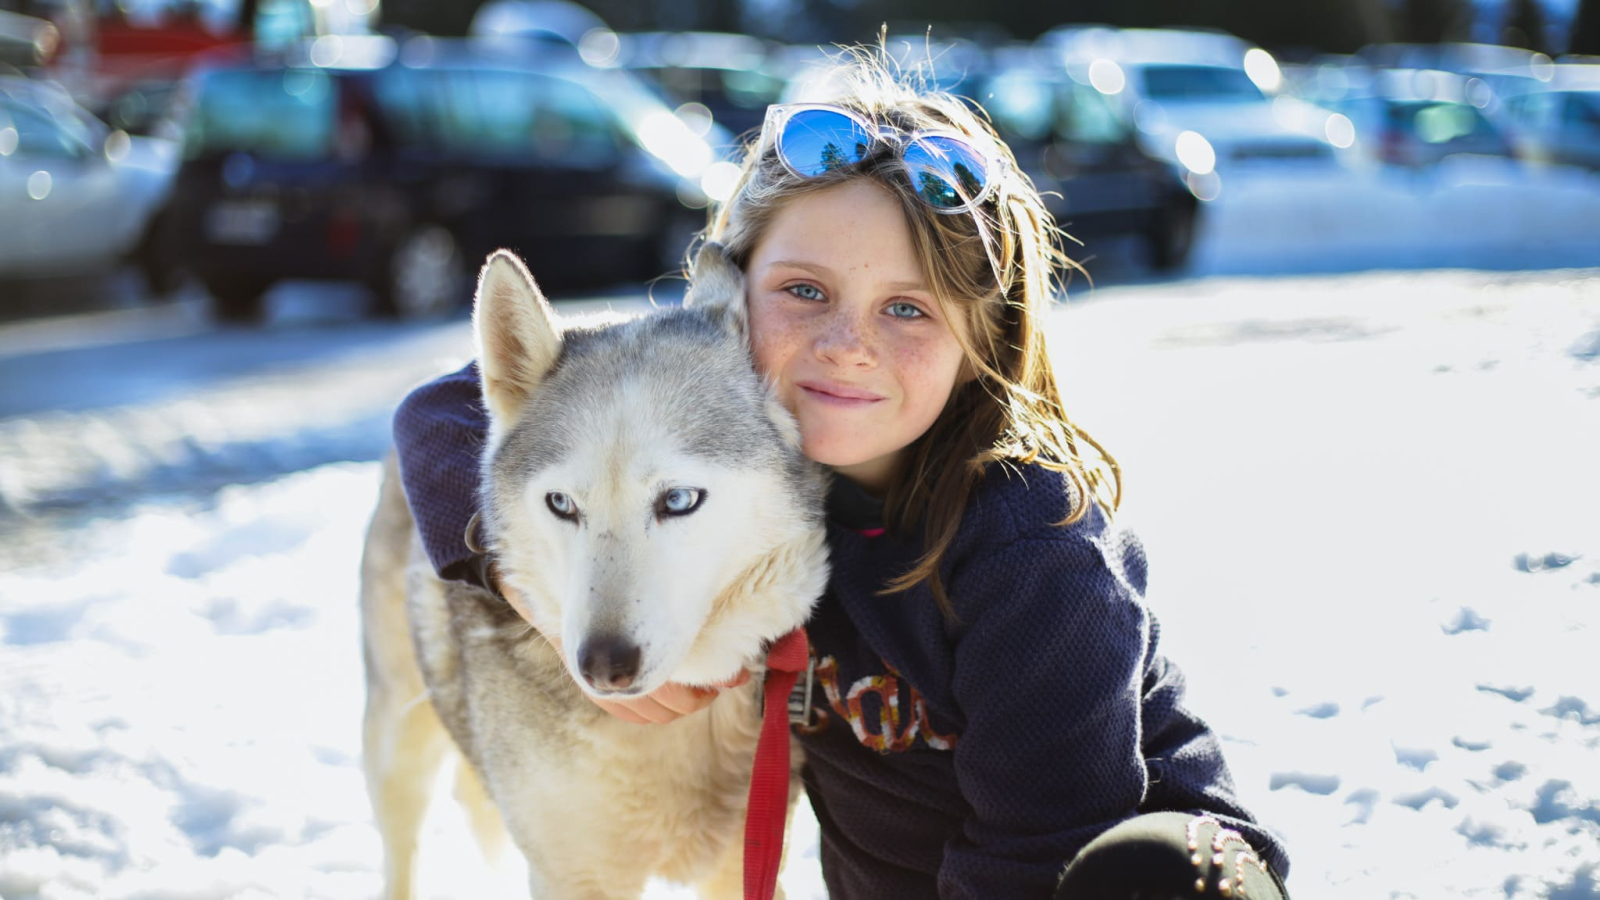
<point>800,712</point>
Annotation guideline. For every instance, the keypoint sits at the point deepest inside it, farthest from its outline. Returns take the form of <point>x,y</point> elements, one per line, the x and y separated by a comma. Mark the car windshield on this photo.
<point>497,113</point>
<point>34,134</point>
<point>1439,122</point>
<point>1028,106</point>
<point>276,113</point>
<point>1205,83</point>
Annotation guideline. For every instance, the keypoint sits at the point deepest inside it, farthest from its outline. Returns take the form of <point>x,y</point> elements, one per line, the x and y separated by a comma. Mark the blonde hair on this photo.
<point>997,268</point>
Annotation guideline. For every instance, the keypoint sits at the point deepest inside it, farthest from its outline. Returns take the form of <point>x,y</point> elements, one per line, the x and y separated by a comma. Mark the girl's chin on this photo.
<point>871,472</point>
<point>836,454</point>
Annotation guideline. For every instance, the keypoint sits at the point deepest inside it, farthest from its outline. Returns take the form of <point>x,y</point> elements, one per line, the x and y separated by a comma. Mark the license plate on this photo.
<point>242,222</point>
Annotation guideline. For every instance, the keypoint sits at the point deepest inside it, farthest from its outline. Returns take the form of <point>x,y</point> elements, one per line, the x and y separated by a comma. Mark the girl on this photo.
<point>990,708</point>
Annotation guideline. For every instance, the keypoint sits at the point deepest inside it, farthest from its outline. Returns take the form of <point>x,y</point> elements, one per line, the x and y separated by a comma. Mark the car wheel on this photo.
<point>425,275</point>
<point>1172,237</point>
<point>237,299</point>
<point>155,258</point>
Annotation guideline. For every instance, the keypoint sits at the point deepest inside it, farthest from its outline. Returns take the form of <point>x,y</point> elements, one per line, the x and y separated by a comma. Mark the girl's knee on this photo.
<point>1164,856</point>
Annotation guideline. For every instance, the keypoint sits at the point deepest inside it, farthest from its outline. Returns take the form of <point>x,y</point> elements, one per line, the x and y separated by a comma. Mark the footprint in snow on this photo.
<point>1415,757</point>
<point>1364,800</point>
<point>1481,834</point>
<point>1514,694</point>
<point>1309,782</point>
<point>1533,562</point>
<point>1465,619</point>
<point>1510,770</point>
<point>1319,711</point>
<point>1418,799</point>
<point>1573,708</point>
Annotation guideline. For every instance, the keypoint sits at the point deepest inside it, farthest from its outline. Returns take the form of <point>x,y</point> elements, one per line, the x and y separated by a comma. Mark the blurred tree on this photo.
<point>1585,34</point>
<point>1524,27</point>
<point>453,18</point>
<point>1303,25</point>
<point>1433,21</point>
<point>429,16</point>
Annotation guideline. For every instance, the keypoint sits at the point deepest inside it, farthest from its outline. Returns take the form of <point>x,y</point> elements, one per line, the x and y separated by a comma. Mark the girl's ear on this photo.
<point>517,336</point>
<point>717,286</point>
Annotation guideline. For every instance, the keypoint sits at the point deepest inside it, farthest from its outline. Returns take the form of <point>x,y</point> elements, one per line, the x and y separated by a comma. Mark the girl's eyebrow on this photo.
<point>822,271</point>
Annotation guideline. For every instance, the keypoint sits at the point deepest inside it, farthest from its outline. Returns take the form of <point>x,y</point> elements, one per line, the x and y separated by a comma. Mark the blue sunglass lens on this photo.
<point>947,173</point>
<point>815,141</point>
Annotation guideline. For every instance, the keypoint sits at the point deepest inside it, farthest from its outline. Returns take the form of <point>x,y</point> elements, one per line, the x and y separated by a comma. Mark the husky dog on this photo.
<point>645,494</point>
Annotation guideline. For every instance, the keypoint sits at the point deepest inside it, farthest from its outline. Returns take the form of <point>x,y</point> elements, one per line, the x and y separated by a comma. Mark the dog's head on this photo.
<point>643,490</point>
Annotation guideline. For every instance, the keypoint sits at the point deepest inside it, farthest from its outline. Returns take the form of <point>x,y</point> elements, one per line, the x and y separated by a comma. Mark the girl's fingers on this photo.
<point>681,700</point>
<point>668,703</point>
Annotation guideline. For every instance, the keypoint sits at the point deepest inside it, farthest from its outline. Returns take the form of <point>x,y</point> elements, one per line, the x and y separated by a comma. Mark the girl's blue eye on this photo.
<point>904,310</point>
<point>799,289</point>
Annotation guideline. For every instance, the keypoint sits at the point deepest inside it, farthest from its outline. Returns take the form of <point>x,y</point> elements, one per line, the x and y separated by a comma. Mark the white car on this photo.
<point>1556,119</point>
<point>75,196</point>
<point>1201,96</point>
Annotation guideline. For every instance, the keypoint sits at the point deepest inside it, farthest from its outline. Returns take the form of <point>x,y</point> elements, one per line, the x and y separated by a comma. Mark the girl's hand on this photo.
<point>668,703</point>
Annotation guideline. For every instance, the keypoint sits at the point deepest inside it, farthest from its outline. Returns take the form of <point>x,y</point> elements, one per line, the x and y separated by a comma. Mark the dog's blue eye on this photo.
<point>680,501</point>
<point>561,505</point>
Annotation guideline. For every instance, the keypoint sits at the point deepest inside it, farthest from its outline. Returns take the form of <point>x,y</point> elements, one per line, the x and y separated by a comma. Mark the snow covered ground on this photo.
<point>1369,501</point>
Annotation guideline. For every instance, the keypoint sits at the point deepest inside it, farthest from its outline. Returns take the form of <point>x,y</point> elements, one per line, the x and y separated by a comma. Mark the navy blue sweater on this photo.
<point>965,759</point>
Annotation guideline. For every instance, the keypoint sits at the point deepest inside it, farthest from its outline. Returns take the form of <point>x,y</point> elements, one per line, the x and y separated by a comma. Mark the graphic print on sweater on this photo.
<point>884,711</point>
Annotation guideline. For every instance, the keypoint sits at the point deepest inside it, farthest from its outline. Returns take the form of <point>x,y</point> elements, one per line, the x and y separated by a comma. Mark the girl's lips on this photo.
<point>838,394</point>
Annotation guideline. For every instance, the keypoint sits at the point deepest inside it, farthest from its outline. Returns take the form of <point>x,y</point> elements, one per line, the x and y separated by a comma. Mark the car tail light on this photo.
<point>344,232</point>
<point>1392,148</point>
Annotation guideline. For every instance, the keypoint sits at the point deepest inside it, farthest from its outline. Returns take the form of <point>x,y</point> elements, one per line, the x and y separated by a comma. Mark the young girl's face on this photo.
<point>842,321</point>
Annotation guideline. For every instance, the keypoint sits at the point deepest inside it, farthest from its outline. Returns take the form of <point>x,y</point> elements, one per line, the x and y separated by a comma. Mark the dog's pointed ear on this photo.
<point>717,285</point>
<point>518,339</point>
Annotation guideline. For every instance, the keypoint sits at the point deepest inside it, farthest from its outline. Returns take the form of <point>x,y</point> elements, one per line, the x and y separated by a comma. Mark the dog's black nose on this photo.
<point>609,663</point>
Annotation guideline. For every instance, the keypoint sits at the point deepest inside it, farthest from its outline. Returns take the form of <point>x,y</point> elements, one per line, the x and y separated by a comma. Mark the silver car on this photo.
<point>74,195</point>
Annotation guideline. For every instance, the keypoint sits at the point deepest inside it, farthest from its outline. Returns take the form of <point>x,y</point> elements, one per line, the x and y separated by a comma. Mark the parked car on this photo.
<point>1557,121</point>
<point>402,166</point>
<point>1085,158</point>
<point>1209,83</point>
<point>732,76</point>
<point>1417,117</point>
<point>75,196</point>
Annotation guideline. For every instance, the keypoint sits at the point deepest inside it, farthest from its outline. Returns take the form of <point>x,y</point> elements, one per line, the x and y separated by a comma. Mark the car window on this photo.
<point>1582,113</point>
<point>497,113</point>
<point>33,134</point>
<point>275,113</point>
<point>1531,109</point>
<point>1085,116</point>
<point>1439,123</point>
<point>1020,104</point>
<point>573,126</point>
<point>1207,83</point>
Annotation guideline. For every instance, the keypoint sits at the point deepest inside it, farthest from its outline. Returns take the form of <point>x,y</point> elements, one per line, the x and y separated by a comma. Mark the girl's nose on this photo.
<point>845,341</point>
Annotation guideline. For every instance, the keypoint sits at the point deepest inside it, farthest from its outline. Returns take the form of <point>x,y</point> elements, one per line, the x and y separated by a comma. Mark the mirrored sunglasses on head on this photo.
<point>950,173</point>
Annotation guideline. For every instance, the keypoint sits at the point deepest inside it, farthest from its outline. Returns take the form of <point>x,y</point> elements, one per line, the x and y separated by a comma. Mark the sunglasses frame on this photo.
<point>779,115</point>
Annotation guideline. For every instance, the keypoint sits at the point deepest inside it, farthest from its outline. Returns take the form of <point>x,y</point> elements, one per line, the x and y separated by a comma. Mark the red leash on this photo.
<point>769,782</point>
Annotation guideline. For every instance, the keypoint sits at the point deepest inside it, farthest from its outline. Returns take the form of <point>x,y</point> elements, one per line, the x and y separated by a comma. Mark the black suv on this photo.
<point>1084,157</point>
<point>403,166</point>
